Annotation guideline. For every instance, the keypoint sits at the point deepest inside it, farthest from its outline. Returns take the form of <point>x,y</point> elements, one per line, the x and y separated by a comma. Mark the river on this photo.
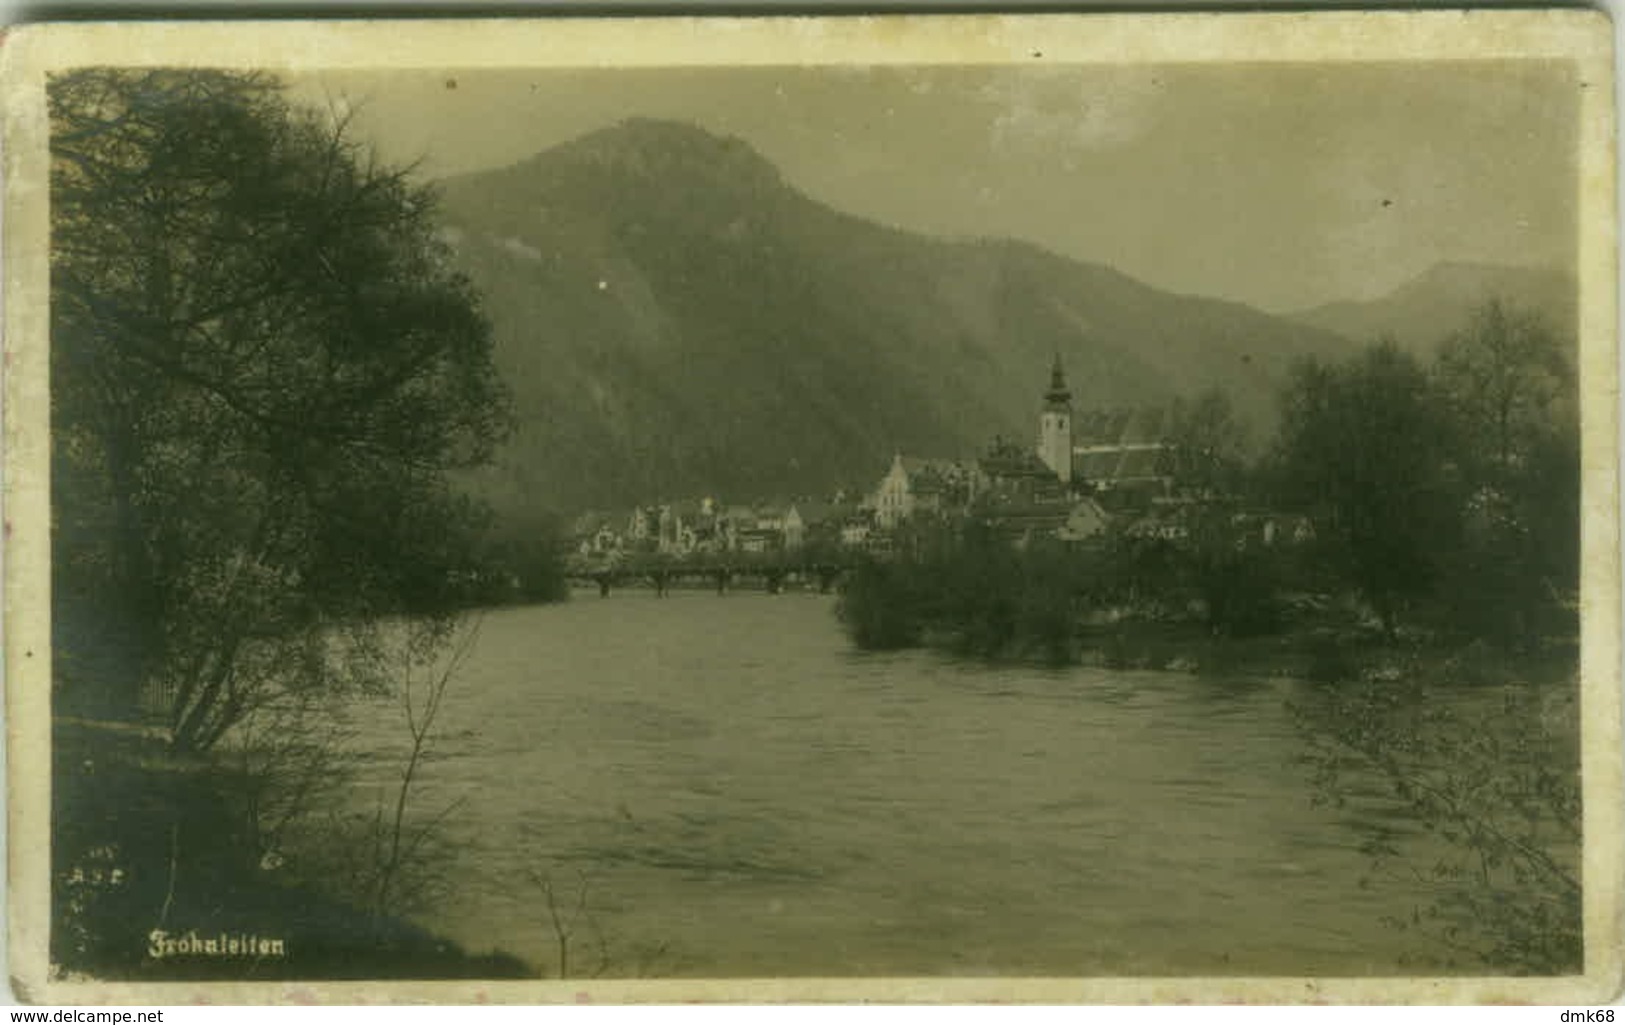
<point>741,793</point>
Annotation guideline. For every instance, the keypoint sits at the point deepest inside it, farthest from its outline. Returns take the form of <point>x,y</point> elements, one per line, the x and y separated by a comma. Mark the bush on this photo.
<point>1238,588</point>
<point>1496,788</point>
<point>985,598</point>
<point>877,608</point>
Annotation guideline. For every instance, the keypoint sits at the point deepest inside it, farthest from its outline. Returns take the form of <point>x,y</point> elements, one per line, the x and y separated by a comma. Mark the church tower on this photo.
<point>1055,425</point>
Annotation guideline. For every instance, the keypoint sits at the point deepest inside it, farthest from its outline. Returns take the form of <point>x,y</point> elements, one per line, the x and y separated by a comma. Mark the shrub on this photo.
<point>877,608</point>
<point>1498,787</point>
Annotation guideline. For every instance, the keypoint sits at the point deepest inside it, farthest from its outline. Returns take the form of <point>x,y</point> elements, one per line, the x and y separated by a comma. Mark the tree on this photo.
<point>1204,454</point>
<point>1508,382</point>
<point>1204,446</point>
<point>263,367</point>
<point>1510,386</point>
<point>1365,447</point>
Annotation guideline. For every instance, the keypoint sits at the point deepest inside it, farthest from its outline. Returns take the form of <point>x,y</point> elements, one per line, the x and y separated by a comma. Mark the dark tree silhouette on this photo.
<point>262,368</point>
<point>1510,384</point>
<point>1507,380</point>
<point>1205,446</point>
<point>1366,448</point>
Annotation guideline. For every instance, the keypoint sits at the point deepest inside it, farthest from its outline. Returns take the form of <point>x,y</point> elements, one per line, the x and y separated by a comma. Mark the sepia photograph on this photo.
<point>944,499</point>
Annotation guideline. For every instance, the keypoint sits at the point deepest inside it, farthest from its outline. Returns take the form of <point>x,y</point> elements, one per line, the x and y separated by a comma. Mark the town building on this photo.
<point>1055,425</point>
<point>1086,472</point>
<point>1017,475</point>
<point>914,486</point>
<point>1122,455</point>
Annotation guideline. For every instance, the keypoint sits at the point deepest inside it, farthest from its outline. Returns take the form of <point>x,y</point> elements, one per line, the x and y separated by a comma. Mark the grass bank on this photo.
<point>154,878</point>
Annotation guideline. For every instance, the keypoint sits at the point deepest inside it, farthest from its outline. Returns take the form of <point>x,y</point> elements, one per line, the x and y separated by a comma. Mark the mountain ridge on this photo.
<point>674,320</point>
<point>1422,312</point>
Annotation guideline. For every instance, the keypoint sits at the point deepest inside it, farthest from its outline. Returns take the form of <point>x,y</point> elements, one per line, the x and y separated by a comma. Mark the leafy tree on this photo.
<point>1205,455</point>
<point>1510,385</point>
<point>1205,445</point>
<point>263,367</point>
<point>1366,448</point>
<point>1508,382</point>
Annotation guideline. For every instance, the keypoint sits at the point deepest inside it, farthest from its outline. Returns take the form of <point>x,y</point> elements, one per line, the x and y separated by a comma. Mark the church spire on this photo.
<point>1055,425</point>
<point>1059,394</point>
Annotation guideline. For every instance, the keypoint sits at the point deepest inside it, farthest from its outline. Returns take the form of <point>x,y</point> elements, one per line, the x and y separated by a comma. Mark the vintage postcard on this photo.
<point>931,508</point>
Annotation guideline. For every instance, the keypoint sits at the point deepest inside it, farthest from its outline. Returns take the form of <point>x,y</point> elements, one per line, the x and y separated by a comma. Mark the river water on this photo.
<point>739,792</point>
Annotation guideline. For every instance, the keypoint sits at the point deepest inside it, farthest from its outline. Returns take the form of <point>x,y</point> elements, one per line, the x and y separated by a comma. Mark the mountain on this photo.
<point>1428,309</point>
<point>674,320</point>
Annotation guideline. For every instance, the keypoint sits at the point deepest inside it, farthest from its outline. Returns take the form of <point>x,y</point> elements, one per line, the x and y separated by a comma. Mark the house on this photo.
<point>705,524</point>
<point>794,530</point>
<point>1086,522</point>
<point>815,514</point>
<point>678,527</point>
<point>641,526</point>
<point>914,486</point>
<point>1021,522</point>
<point>1017,475</point>
<point>593,534</point>
<point>769,517</point>
<point>732,522</point>
<point>773,527</point>
<point>828,523</point>
<point>856,529</point>
<point>894,497</point>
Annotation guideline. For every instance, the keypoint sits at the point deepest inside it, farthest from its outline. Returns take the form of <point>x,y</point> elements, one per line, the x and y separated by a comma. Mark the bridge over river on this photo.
<point>771,574</point>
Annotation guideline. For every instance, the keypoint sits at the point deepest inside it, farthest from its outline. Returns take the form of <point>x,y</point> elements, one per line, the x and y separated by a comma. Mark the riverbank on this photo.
<point>1325,650</point>
<point>155,878</point>
<point>1327,646</point>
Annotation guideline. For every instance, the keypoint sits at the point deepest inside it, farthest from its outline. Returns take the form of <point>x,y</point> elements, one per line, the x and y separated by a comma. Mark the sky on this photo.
<point>1282,186</point>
